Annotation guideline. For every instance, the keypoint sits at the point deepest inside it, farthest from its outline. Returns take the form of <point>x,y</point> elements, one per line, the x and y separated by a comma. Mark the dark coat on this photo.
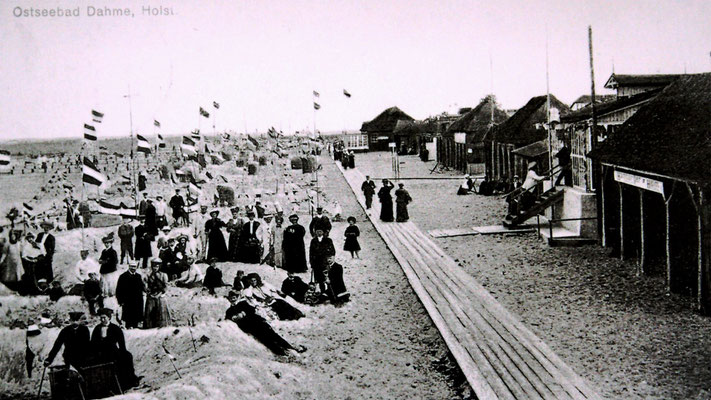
<point>75,342</point>
<point>318,252</point>
<point>129,294</point>
<point>294,287</point>
<point>249,247</point>
<point>294,248</point>
<point>108,261</point>
<point>143,242</point>
<point>216,241</point>
<point>386,204</point>
<point>320,222</point>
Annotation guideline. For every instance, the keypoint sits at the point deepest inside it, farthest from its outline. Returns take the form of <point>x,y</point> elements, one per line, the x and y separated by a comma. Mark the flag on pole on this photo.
<point>195,134</point>
<point>89,132</point>
<point>91,174</point>
<point>4,157</point>
<point>188,146</point>
<point>345,93</point>
<point>161,141</point>
<point>216,104</point>
<point>156,123</point>
<point>317,106</point>
<point>204,113</point>
<point>127,211</point>
<point>194,187</point>
<point>142,144</point>
<point>253,141</point>
<point>27,210</point>
<point>316,94</point>
<point>107,208</point>
<point>97,116</point>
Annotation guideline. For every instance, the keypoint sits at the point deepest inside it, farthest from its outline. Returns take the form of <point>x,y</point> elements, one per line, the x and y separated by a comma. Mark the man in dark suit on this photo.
<point>368,189</point>
<point>321,222</point>
<point>129,295</point>
<point>108,343</point>
<point>177,204</point>
<point>75,339</point>
<point>319,251</point>
<point>46,240</point>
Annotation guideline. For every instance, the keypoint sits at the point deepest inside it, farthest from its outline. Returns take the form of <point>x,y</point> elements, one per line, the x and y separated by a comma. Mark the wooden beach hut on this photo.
<point>380,130</point>
<point>656,188</point>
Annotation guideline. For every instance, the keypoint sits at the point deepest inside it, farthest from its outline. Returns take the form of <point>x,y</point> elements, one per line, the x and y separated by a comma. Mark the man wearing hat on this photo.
<point>46,241</point>
<point>177,204</point>
<point>125,234</point>
<point>75,339</point>
<point>200,233</point>
<point>250,242</point>
<point>143,242</point>
<point>216,240</point>
<point>320,221</point>
<point>368,189</point>
<point>107,342</point>
<point>293,246</point>
<point>129,295</point>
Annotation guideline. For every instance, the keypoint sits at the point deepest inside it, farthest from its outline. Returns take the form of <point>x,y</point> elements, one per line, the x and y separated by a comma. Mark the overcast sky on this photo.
<point>262,59</point>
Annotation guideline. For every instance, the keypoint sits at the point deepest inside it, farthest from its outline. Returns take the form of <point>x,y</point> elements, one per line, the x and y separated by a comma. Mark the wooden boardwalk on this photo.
<point>500,357</point>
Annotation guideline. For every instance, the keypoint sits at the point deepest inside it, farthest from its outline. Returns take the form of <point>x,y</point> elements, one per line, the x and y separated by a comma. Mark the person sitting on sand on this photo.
<point>81,272</point>
<point>93,292</point>
<point>213,277</point>
<point>294,287</point>
<point>261,293</point>
<point>191,278</point>
<point>245,316</point>
<point>337,291</point>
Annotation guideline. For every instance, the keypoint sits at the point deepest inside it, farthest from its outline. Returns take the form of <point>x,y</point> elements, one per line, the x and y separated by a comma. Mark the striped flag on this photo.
<point>91,174</point>
<point>125,179</point>
<point>195,134</point>
<point>142,144</point>
<point>89,132</point>
<point>126,211</point>
<point>317,106</point>
<point>156,123</point>
<point>97,116</point>
<point>188,146</point>
<point>193,205</point>
<point>204,113</point>
<point>316,94</point>
<point>345,93</point>
<point>27,209</point>
<point>107,208</point>
<point>4,157</point>
<point>161,141</point>
<point>216,104</point>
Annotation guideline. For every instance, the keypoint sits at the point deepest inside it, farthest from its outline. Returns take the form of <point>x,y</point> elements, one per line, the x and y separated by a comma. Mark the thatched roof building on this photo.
<point>380,130</point>
<point>527,125</point>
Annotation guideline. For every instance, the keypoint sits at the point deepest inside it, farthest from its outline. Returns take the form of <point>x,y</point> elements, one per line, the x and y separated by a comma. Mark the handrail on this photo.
<point>546,175</point>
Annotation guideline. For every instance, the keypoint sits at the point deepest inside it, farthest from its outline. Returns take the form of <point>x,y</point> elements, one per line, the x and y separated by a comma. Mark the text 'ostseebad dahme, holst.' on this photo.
<point>92,11</point>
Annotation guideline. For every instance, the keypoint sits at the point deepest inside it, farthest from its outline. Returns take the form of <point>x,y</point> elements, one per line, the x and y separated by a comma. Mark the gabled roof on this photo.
<point>478,121</point>
<point>670,135</point>
<point>612,106</point>
<point>599,98</point>
<point>660,80</point>
<point>385,121</point>
<point>520,129</point>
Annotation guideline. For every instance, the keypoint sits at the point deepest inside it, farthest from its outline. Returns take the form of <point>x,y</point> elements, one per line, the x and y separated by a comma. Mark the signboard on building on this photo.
<point>391,145</point>
<point>460,137</point>
<point>640,182</point>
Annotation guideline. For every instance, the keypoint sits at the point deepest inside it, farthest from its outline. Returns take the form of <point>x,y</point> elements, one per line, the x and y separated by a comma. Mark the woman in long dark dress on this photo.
<point>215,239</point>
<point>234,227</point>
<point>402,199</point>
<point>386,201</point>
<point>294,247</point>
<point>352,232</point>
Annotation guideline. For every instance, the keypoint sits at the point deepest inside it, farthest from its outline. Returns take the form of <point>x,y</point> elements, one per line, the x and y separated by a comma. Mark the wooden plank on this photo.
<point>510,370</point>
<point>444,233</point>
<point>543,352</point>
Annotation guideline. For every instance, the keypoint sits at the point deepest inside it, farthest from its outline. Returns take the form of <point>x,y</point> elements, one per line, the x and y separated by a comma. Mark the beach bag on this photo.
<point>311,297</point>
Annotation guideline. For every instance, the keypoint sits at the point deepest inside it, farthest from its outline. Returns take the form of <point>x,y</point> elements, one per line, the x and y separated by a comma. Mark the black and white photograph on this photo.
<point>354,199</point>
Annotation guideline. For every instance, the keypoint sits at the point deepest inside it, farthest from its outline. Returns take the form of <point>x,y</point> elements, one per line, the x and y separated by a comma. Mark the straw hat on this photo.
<point>532,164</point>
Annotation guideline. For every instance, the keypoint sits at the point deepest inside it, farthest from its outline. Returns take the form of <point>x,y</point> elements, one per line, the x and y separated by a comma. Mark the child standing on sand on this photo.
<point>351,234</point>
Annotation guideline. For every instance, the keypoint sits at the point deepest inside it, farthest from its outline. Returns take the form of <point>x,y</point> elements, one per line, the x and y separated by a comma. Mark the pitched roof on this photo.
<point>612,106</point>
<point>533,150</point>
<point>661,80</point>
<point>520,128</point>
<point>385,121</point>
<point>478,121</point>
<point>599,98</point>
<point>670,135</point>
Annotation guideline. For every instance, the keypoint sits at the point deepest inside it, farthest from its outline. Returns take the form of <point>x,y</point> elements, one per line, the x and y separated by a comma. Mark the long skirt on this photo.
<point>108,283</point>
<point>157,314</point>
<point>401,212</point>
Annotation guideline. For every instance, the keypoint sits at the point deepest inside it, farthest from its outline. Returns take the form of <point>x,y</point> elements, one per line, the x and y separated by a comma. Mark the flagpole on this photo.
<point>548,114</point>
<point>133,159</point>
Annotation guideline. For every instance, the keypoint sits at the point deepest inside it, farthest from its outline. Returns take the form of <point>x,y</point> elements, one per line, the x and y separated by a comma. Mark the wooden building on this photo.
<point>526,126</point>
<point>381,129</point>
<point>656,185</point>
<point>629,85</point>
<point>586,100</point>
<point>462,144</point>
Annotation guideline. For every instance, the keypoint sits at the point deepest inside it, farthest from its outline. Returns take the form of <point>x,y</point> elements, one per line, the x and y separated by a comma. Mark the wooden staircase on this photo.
<point>547,199</point>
